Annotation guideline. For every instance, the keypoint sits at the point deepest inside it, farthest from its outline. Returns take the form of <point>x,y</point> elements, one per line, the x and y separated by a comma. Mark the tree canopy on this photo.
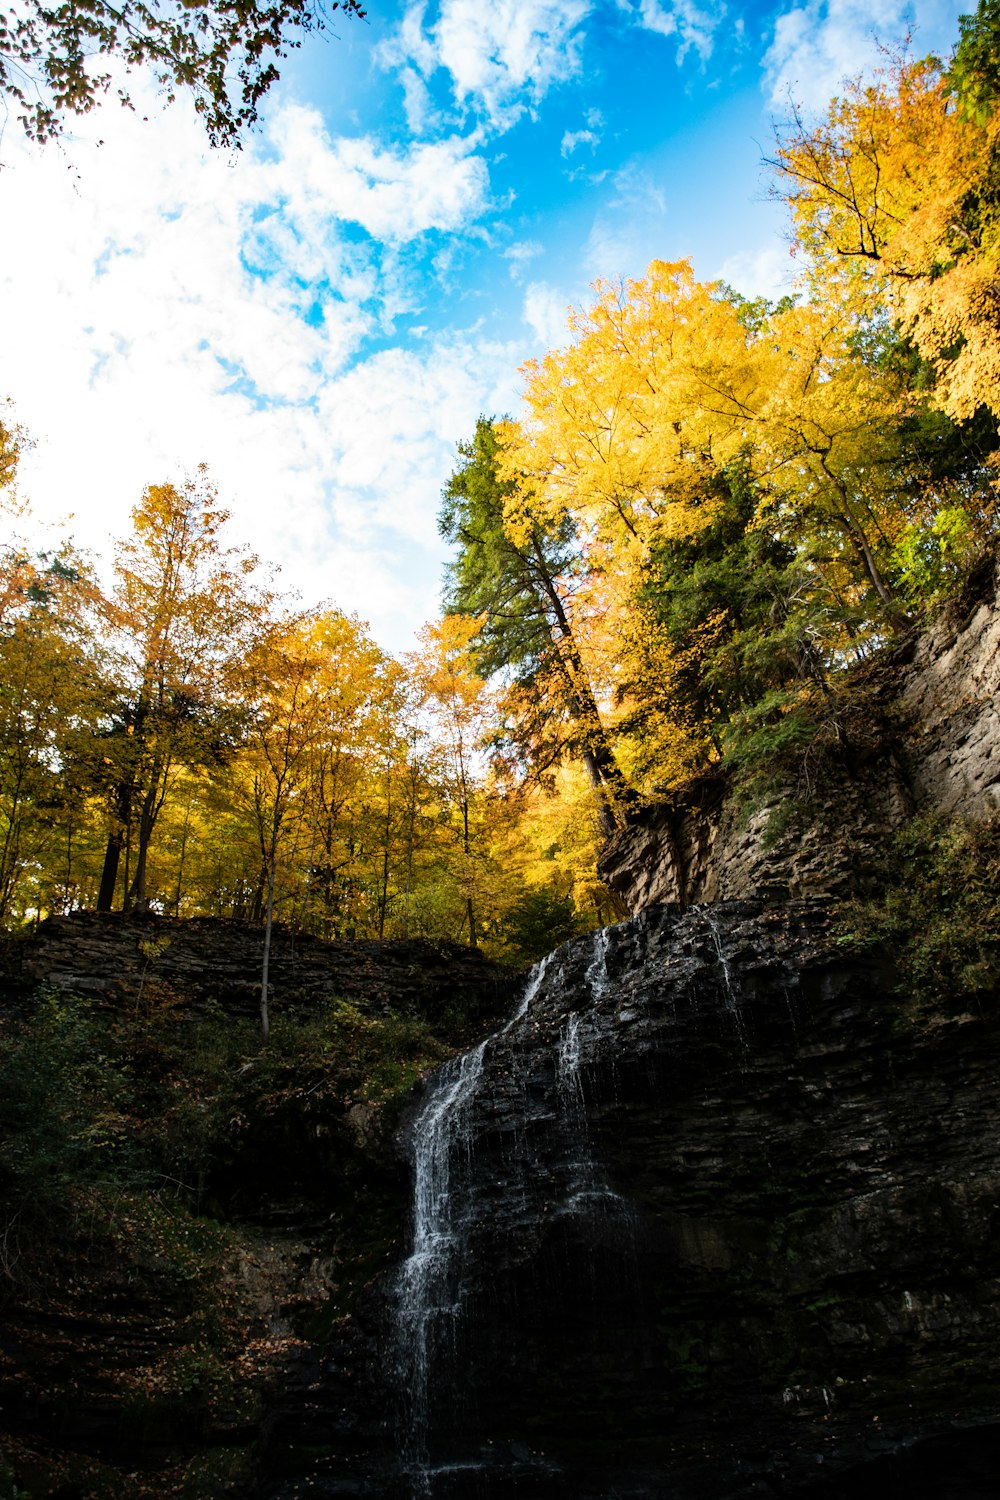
<point>709,507</point>
<point>707,512</point>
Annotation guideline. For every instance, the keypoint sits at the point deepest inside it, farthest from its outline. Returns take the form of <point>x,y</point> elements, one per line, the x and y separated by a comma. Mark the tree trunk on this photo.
<point>265,1017</point>
<point>109,874</point>
<point>466,846</point>
<point>383,904</point>
<point>179,888</point>
<point>116,842</point>
<point>151,805</point>
<point>409,853</point>
<point>615,796</point>
<point>856,532</point>
<point>605,812</point>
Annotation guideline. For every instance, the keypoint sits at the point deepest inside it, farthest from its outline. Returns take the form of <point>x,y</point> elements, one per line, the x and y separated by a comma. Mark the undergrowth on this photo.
<point>148,1158</point>
<point>936,911</point>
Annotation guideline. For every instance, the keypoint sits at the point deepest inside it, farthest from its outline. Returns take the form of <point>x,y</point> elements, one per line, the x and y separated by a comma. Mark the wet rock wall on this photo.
<point>720,1220</point>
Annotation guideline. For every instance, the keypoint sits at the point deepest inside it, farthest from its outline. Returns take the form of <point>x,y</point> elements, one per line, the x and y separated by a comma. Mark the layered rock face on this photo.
<point>202,961</point>
<point>711,1216</point>
<point>929,741</point>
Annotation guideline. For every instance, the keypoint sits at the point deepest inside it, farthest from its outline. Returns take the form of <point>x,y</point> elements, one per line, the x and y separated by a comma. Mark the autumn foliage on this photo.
<point>709,509</point>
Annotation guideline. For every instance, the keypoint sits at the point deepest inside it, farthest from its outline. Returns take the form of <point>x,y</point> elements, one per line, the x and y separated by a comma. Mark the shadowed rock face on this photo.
<point>115,957</point>
<point>716,1217</point>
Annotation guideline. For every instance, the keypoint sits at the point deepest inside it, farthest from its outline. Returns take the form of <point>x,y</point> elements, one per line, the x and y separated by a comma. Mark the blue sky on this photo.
<point>322,316</point>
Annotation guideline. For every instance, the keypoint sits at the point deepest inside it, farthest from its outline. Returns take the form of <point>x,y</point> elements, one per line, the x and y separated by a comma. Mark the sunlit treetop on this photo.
<point>974,75</point>
<point>894,200</point>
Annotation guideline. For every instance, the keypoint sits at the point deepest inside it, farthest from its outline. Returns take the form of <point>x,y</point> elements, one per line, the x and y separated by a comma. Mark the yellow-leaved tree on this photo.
<point>181,611</point>
<point>462,713</point>
<point>894,197</point>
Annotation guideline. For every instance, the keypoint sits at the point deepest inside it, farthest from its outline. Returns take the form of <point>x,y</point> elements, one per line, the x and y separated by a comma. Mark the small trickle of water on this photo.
<point>568,1060</point>
<point>732,998</point>
<point>597,976</point>
<point>425,1295</point>
<point>534,984</point>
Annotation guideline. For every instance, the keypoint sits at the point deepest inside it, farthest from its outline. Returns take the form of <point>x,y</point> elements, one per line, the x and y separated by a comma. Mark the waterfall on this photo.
<point>426,1298</point>
<point>428,1290</point>
<point>509,1168</point>
<point>597,970</point>
<point>732,997</point>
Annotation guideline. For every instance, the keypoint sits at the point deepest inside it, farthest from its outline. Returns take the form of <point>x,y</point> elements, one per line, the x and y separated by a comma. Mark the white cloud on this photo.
<point>693,25</point>
<point>501,59</point>
<point>392,195</point>
<point>630,227</point>
<point>546,312</point>
<point>820,43</point>
<point>163,305</point>
<point>765,272</point>
<point>520,255</point>
<point>575,138</point>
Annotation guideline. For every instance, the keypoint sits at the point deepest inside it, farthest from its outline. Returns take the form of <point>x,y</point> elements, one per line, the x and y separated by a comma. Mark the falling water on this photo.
<point>597,970</point>
<point>428,1291</point>
<point>732,998</point>
<point>427,1300</point>
<point>587,1192</point>
<point>581,1177</point>
<point>568,1059</point>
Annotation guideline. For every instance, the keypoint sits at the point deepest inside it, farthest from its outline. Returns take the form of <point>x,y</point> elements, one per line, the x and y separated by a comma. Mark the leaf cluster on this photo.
<point>225,55</point>
<point>973,75</point>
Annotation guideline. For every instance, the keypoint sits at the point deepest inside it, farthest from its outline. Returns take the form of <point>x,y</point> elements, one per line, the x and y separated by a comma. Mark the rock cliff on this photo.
<point>184,1215</point>
<point>923,736</point>
<point>714,1215</point>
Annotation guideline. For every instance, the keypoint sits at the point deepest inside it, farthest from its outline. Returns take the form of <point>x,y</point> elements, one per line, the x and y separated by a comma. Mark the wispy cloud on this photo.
<point>819,44</point>
<point>590,135</point>
<point>629,228</point>
<point>163,306</point>
<point>546,312</point>
<point>520,255</point>
<point>501,59</point>
<point>766,272</point>
<point>692,24</point>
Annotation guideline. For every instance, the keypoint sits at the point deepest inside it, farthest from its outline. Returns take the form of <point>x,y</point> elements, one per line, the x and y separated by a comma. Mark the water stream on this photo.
<point>428,1291</point>
<point>541,1147</point>
<point>731,990</point>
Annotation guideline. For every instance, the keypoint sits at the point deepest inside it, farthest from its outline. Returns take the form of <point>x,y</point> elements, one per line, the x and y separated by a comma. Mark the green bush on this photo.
<point>937,911</point>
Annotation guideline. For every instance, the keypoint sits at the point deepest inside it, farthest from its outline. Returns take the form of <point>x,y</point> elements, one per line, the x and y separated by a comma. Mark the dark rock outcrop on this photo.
<point>155,1326</point>
<point>925,737</point>
<point>118,957</point>
<point>722,1220</point>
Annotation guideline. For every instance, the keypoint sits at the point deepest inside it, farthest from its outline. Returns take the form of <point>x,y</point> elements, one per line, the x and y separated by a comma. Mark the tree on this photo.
<point>49,699</point>
<point>225,55</point>
<point>180,607</point>
<point>459,703</point>
<point>303,708</point>
<point>620,425</point>
<point>517,581</point>
<point>359,733</point>
<point>894,196</point>
<point>12,440</point>
<point>973,77</point>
